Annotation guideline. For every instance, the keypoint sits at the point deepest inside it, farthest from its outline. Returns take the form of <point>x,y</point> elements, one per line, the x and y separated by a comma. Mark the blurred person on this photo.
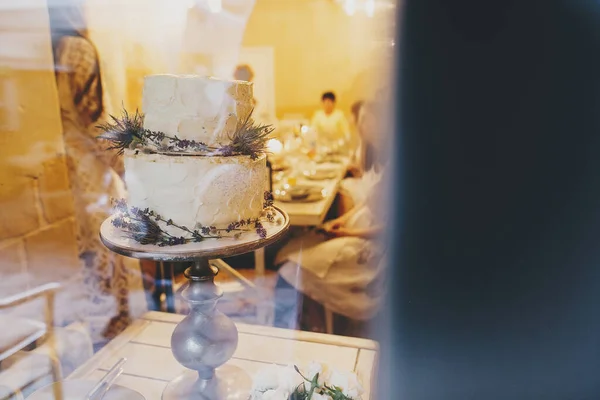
<point>355,140</point>
<point>244,72</point>
<point>330,124</point>
<point>372,157</point>
<point>355,111</point>
<point>355,168</point>
<point>337,268</point>
<point>94,173</point>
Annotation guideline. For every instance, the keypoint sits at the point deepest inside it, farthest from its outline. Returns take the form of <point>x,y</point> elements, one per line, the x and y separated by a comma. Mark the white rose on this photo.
<point>288,378</point>
<point>318,368</point>
<point>277,394</point>
<point>338,379</point>
<point>354,389</point>
<point>266,378</point>
<point>313,369</point>
<point>348,382</point>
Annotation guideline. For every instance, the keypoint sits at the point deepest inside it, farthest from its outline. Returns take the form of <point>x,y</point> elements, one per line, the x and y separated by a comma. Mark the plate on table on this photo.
<point>321,174</point>
<point>78,389</point>
<point>299,194</point>
<point>279,167</point>
<point>333,159</point>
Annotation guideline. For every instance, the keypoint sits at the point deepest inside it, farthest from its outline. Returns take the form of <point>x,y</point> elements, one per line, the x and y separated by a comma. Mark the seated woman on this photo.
<point>340,267</point>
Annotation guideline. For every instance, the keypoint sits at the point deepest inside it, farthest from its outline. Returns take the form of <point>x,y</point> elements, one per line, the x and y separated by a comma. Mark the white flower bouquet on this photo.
<point>317,382</point>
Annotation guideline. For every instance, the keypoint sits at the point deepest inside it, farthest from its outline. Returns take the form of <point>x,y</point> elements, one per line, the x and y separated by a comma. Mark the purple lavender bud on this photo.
<point>262,232</point>
<point>268,196</point>
<point>226,151</point>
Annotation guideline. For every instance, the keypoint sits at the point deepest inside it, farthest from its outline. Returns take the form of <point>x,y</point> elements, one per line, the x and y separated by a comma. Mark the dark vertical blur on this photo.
<point>497,270</point>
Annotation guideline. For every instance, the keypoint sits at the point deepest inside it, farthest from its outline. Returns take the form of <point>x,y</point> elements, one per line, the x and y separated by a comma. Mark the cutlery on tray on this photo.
<point>104,384</point>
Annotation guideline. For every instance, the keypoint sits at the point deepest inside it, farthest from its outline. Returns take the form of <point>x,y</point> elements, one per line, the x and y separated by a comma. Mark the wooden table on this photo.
<point>151,365</point>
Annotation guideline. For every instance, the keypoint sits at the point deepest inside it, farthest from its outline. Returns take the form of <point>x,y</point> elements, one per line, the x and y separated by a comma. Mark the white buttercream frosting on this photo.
<point>197,108</point>
<point>196,190</point>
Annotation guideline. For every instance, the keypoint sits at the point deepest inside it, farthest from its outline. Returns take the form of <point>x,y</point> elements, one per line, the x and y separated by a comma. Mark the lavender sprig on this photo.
<point>128,132</point>
<point>268,197</point>
<point>142,226</point>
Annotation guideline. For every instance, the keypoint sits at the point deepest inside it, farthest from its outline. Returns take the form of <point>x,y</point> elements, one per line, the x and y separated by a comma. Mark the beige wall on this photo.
<point>318,47</point>
<point>36,208</point>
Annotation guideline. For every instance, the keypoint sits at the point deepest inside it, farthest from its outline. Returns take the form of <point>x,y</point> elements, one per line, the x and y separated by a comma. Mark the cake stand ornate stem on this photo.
<point>205,339</point>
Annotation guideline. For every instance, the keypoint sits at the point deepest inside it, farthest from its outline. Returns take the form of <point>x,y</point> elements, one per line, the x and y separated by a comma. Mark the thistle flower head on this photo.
<point>250,138</point>
<point>125,132</point>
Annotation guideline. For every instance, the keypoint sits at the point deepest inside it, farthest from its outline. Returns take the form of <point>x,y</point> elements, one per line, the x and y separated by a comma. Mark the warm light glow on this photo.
<point>350,7</point>
<point>304,129</point>
<point>274,146</point>
<point>367,6</point>
<point>215,6</point>
<point>370,7</point>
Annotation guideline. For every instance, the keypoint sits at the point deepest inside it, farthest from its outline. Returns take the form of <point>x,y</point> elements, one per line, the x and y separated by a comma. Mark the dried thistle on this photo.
<point>126,132</point>
<point>249,138</point>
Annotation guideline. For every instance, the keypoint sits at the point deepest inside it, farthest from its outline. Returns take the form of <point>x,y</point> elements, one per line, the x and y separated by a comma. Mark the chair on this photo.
<point>25,333</point>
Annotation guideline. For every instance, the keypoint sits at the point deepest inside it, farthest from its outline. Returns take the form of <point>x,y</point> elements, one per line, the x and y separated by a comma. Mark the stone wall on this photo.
<point>37,232</point>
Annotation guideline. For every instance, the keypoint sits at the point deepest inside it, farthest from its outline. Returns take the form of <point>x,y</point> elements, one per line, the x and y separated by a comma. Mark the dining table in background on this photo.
<point>306,214</point>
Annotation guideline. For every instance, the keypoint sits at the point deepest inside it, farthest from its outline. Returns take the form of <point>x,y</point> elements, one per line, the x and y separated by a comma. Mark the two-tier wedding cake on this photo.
<point>195,161</point>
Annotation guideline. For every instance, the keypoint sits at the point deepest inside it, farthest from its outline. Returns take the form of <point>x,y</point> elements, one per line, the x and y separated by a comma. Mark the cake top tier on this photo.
<point>190,115</point>
<point>191,107</point>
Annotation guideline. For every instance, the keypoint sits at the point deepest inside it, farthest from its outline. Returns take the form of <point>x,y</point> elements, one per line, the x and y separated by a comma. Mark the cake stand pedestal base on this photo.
<point>229,382</point>
<point>206,338</point>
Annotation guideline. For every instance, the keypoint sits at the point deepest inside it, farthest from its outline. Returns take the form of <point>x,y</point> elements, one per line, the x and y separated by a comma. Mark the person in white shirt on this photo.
<point>330,124</point>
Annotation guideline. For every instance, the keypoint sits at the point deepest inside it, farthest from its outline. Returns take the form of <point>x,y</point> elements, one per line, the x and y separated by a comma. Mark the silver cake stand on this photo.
<point>206,338</point>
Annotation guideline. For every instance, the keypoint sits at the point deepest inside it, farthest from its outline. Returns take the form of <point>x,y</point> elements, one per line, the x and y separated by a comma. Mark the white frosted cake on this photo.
<point>195,108</point>
<point>209,191</point>
<point>196,189</point>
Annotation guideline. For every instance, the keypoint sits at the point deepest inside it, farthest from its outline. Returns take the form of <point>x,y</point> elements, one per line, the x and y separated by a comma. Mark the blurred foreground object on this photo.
<point>498,285</point>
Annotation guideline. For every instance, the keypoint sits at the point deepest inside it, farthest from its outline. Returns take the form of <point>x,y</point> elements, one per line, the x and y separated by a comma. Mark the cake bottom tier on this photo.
<point>196,191</point>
